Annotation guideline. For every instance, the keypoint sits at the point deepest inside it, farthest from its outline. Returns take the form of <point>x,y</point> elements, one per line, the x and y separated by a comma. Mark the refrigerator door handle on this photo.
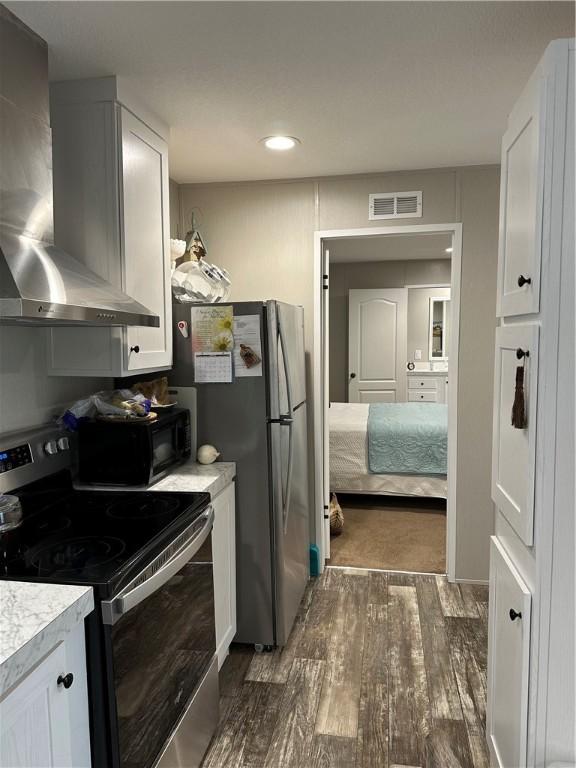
<point>286,420</point>
<point>284,349</point>
<point>286,499</point>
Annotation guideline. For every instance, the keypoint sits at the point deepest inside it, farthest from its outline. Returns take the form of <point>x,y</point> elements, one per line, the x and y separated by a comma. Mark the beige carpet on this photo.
<point>392,534</point>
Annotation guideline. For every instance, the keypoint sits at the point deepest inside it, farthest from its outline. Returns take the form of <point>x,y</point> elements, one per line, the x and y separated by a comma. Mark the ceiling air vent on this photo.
<point>395,205</point>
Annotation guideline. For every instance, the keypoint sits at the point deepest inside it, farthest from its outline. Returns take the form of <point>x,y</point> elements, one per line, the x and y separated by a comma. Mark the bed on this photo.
<point>349,461</point>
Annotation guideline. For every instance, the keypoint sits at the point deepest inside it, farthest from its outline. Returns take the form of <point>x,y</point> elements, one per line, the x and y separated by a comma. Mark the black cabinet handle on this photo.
<point>135,349</point>
<point>514,614</point>
<point>65,680</point>
<point>352,375</point>
<point>522,281</point>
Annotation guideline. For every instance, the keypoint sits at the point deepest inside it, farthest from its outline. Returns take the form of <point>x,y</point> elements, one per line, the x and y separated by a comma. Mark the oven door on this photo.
<point>163,652</point>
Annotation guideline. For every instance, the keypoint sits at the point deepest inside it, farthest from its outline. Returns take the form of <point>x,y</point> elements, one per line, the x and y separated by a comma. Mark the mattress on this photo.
<point>349,472</point>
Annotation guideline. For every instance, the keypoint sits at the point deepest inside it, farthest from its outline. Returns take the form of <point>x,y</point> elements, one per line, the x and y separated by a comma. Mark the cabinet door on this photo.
<point>35,718</point>
<point>145,241</point>
<point>224,555</point>
<point>508,666</point>
<point>514,450</point>
<point>521,200</point>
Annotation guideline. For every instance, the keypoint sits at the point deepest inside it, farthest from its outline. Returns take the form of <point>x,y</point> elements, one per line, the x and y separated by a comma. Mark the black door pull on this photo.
<point>65,680</point>
<point>522,281</point>
<point>135,349</point>
<point>514,614</point>
<point>352,375</point>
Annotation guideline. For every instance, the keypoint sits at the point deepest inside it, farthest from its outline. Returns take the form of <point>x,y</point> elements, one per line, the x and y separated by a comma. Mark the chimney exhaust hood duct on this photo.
<point>40,283</point>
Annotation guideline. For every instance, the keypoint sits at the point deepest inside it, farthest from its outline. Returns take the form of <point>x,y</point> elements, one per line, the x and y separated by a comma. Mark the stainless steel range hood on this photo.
<point>40,283</point>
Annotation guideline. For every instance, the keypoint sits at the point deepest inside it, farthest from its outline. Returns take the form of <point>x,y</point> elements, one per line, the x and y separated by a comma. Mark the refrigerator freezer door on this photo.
<point>291,526</point>
<point>286,358</point>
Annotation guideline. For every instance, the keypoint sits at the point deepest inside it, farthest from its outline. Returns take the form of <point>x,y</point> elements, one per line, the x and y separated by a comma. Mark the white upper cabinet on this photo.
<point>111,211</point>
<point>145,217</point>
<point>521,197</point>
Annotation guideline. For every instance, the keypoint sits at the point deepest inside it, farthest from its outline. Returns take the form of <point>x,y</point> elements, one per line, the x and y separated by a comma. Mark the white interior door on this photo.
<point>377,345</point>
<point>326,396</point>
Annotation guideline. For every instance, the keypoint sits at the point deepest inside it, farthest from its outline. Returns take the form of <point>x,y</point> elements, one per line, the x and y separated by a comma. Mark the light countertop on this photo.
<point>427,372</point>
<point>34,618</point>
<point>193,477</point>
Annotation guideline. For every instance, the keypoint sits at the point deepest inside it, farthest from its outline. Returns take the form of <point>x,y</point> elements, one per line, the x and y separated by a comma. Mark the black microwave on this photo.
<point>135,453</point>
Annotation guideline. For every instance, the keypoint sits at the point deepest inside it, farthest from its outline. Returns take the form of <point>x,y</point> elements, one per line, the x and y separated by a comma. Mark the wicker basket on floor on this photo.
<point>336,516</point>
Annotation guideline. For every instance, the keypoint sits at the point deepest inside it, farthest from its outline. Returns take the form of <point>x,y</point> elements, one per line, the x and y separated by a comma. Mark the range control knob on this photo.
<point>63,444</point>
<point>51,447</point>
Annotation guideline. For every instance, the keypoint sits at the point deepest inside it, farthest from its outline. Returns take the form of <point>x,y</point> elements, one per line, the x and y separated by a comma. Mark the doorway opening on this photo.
<point>386,367</point>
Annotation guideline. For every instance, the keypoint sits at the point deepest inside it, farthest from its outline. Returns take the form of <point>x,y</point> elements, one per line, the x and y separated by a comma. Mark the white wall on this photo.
<point>263,234</point>
<point>28,396</point>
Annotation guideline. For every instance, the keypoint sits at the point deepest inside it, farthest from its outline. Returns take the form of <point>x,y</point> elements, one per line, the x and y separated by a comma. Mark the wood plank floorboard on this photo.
<point>332,752</point>
<point>382,670</point>
<point>409,702</point>
<point>340,700</point>
<point>294,732</point>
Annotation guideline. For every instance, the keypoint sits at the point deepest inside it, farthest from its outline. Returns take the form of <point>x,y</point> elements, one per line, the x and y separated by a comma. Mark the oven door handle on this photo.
<point>131,597</point>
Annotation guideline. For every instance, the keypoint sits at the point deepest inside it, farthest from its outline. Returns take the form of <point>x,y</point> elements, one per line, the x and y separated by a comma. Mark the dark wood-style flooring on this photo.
<point>382,670</point>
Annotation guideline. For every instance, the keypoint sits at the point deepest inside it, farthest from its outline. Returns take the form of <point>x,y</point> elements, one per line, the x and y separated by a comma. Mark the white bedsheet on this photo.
<point>349,471</point>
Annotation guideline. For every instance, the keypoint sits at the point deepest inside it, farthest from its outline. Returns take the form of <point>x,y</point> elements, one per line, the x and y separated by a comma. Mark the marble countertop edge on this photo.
<point>32,634</point>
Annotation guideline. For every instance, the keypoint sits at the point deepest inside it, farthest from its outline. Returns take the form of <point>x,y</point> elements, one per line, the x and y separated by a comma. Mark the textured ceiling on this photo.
<point>389,248</point>
<point>366,86</point>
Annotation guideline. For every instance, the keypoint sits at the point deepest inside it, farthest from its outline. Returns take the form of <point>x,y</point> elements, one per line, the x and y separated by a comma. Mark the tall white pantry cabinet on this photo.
<point>531,656</point>
<point>111,211</point>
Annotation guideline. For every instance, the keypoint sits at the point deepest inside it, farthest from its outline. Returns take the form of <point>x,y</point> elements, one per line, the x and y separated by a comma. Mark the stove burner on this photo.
<point>46,526</point>
<point>78,554</point>
<point>141,508</point>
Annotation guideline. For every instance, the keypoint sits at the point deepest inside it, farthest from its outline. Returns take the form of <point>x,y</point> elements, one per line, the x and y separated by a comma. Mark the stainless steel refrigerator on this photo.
<point>260,422</point>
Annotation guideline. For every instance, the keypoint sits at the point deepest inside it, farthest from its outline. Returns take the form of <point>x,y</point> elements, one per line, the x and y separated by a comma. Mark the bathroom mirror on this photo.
<point>438,333</point>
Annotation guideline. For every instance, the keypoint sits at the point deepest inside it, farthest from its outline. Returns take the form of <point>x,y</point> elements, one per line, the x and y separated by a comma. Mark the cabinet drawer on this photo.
<point>424,383</point>
<point>425,395</point>
<point>514,450</point>
<point>508,665</point>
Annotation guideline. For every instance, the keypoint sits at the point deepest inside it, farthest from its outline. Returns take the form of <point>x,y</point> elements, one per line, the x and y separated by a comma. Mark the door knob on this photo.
<point>514,614</point>
<point>135,349</point>
<point>522,281</point>
<point>65,680</point>
<point>352,375</point>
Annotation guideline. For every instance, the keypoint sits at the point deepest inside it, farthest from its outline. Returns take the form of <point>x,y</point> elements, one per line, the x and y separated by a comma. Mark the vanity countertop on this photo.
<point>194,477</point>
<point>34,618</point>
<point>427,372</point>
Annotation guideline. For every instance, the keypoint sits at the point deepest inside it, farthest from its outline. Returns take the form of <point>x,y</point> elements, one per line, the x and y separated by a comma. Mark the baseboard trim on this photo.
<point>481,582</point>
<point>381,570</point>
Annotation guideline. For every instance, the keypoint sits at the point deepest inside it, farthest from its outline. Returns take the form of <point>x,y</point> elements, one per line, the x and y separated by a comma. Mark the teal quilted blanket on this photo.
<point>408,438</point>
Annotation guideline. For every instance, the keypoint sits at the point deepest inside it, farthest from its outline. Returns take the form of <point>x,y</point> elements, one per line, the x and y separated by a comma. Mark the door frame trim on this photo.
<point>321,238</point>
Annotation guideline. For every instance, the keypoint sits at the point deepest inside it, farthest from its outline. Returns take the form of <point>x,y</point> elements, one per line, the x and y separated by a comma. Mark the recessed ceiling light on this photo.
<point>449,250</point>
<point>280,143</point>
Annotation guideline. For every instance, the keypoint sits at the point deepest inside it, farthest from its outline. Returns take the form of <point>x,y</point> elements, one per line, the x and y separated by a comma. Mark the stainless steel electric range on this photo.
<point>152,667</point>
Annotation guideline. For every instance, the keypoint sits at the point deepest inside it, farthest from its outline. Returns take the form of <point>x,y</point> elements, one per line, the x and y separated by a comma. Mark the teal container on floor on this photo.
<point>314,560</point>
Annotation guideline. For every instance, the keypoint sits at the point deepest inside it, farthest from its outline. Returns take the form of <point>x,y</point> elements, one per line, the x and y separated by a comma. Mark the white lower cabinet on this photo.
<point>43,723</point>
<point>427,389</point>
<point>509,654</point>
<point>224,556</point>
